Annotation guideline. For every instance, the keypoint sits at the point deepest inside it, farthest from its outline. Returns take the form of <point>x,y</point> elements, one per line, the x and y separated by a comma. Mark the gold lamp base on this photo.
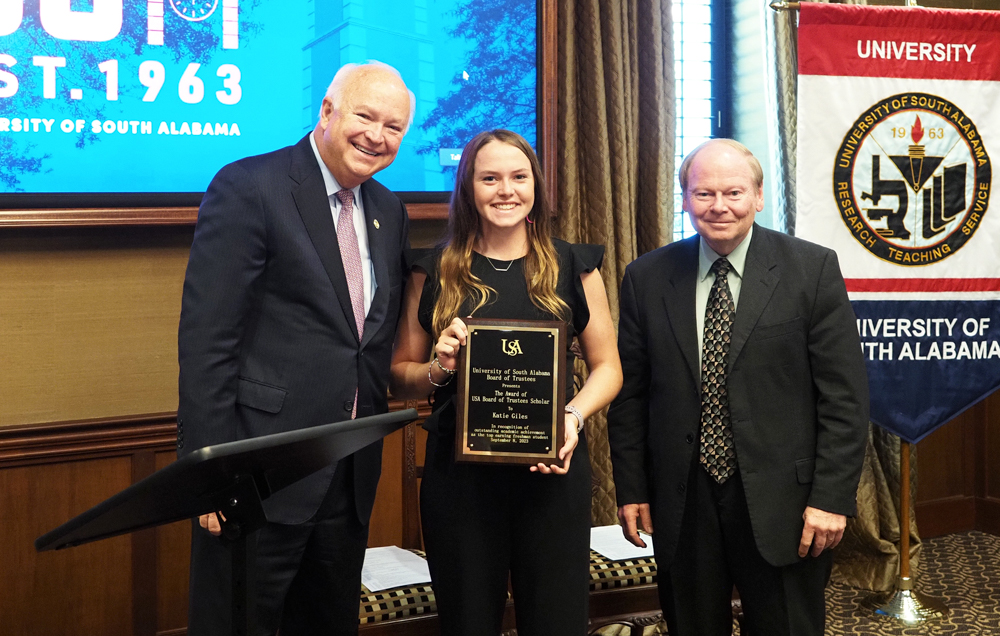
<point>906,605</point>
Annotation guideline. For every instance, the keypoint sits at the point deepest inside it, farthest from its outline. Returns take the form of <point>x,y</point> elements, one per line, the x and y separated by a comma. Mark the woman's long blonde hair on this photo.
<point>541,265</point>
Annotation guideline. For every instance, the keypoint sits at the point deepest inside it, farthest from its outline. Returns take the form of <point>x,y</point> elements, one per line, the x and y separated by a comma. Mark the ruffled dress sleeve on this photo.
<point>576,259</point>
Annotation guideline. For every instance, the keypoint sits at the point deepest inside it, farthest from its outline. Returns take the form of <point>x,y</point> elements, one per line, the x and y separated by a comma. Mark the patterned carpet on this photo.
<point>961,569</point>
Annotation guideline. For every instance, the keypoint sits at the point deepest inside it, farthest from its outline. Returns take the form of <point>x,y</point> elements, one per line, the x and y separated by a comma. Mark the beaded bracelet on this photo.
<point>440,366</point>
<point>430,378</point>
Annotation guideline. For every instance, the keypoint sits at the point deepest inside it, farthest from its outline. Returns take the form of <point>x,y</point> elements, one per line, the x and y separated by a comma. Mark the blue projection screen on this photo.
<point>154,96</point>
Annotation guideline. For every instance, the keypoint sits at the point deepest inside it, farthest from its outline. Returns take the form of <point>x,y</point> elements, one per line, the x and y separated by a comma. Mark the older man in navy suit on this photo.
<point>289,313</point>
<point>740,430</point>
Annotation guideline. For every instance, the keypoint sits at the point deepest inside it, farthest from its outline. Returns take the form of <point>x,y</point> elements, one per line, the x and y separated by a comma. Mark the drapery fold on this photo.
<point>616,151</point>
<point>782,75</point>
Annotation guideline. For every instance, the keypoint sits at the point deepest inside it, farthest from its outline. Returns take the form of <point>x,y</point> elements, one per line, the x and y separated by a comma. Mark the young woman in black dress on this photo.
<point>482,522</point>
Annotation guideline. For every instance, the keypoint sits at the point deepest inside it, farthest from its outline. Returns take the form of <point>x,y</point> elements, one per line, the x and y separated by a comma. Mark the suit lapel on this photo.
<point>679,301</point>
<point>310,197</point>
<point>760,277</point>
<point>379,251</point>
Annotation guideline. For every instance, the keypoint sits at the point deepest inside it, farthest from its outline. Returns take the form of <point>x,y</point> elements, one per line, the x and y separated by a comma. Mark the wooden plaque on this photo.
<point>511,392</point>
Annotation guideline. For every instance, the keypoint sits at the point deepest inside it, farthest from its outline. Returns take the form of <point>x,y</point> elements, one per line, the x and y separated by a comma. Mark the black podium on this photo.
<point>233,478</point>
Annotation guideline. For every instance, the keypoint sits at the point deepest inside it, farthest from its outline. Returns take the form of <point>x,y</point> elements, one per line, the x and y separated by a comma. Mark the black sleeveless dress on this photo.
<point>482,522</point>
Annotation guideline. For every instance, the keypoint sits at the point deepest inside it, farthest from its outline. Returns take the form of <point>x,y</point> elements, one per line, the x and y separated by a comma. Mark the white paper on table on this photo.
<point>610,542</point>
<point>391,567</point>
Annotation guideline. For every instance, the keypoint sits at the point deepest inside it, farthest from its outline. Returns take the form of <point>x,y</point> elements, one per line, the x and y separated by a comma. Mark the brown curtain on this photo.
<point>616,152</point>
<point>782,74</point>
<point>869,554</point>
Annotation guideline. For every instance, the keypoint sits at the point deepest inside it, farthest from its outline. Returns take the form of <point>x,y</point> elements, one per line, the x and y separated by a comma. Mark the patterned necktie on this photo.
<point>350,254</point>
<point>718,453</point>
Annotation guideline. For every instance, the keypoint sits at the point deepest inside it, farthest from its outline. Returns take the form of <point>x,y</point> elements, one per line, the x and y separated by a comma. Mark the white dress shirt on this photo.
<point>706,257</point>
<point>332,188</point>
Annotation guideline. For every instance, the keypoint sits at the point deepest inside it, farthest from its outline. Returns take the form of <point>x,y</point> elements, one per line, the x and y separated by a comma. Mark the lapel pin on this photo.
<point>376,224</point>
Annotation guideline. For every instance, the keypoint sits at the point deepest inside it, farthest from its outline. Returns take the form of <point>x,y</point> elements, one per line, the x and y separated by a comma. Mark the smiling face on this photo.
<point>361,134</point>
<point>722,197</point>
<point>503,186</point>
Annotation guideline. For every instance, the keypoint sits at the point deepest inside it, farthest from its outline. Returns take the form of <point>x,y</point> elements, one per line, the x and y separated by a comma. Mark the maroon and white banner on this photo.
<point>898,121</point>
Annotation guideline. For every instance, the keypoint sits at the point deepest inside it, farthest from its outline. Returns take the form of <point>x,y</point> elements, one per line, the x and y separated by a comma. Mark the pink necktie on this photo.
<point>350,254</point>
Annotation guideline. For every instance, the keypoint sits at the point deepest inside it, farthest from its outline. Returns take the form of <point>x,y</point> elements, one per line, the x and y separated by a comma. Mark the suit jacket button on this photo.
<point>689,439</point>
<point>681,487</point>
<point>349,405</point>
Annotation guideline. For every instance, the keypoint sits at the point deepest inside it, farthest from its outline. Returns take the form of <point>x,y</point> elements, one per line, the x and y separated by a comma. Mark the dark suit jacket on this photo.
<point>267,340</point>
<point>798,392</point>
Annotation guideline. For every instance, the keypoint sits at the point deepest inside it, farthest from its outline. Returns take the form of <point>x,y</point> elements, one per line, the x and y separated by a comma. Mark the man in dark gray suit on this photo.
<point>289,313</point>
<point>739,433</point>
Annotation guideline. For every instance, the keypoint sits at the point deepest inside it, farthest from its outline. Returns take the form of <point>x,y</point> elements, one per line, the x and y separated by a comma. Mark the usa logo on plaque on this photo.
<point>896,129</point>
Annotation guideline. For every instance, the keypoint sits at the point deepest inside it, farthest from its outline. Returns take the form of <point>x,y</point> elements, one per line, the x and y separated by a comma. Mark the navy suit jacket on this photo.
<point>798,391</point>
<point>267,341</point>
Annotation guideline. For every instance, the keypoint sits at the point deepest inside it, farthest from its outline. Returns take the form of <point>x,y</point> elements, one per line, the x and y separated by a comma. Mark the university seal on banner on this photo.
<point>912,179</point>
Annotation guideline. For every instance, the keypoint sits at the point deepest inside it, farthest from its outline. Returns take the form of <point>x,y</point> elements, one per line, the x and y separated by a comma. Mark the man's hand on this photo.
<point>211,523</point>
<point>628,514</point>
<point>823,531</point>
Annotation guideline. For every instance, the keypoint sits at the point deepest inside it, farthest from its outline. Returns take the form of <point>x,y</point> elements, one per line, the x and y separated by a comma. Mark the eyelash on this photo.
<point>520,176</point>
<point>704,195</point>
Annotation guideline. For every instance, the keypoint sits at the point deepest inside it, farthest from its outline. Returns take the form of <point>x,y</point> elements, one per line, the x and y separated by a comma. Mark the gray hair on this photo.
<point>335,91</point>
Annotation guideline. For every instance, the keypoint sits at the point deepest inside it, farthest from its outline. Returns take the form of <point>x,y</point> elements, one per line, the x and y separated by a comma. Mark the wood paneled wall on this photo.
<point>958,473</point>
<point>133,584</point>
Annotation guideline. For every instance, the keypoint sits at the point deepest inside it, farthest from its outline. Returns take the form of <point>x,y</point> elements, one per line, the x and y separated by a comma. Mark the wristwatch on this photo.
<point>579,416</point>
